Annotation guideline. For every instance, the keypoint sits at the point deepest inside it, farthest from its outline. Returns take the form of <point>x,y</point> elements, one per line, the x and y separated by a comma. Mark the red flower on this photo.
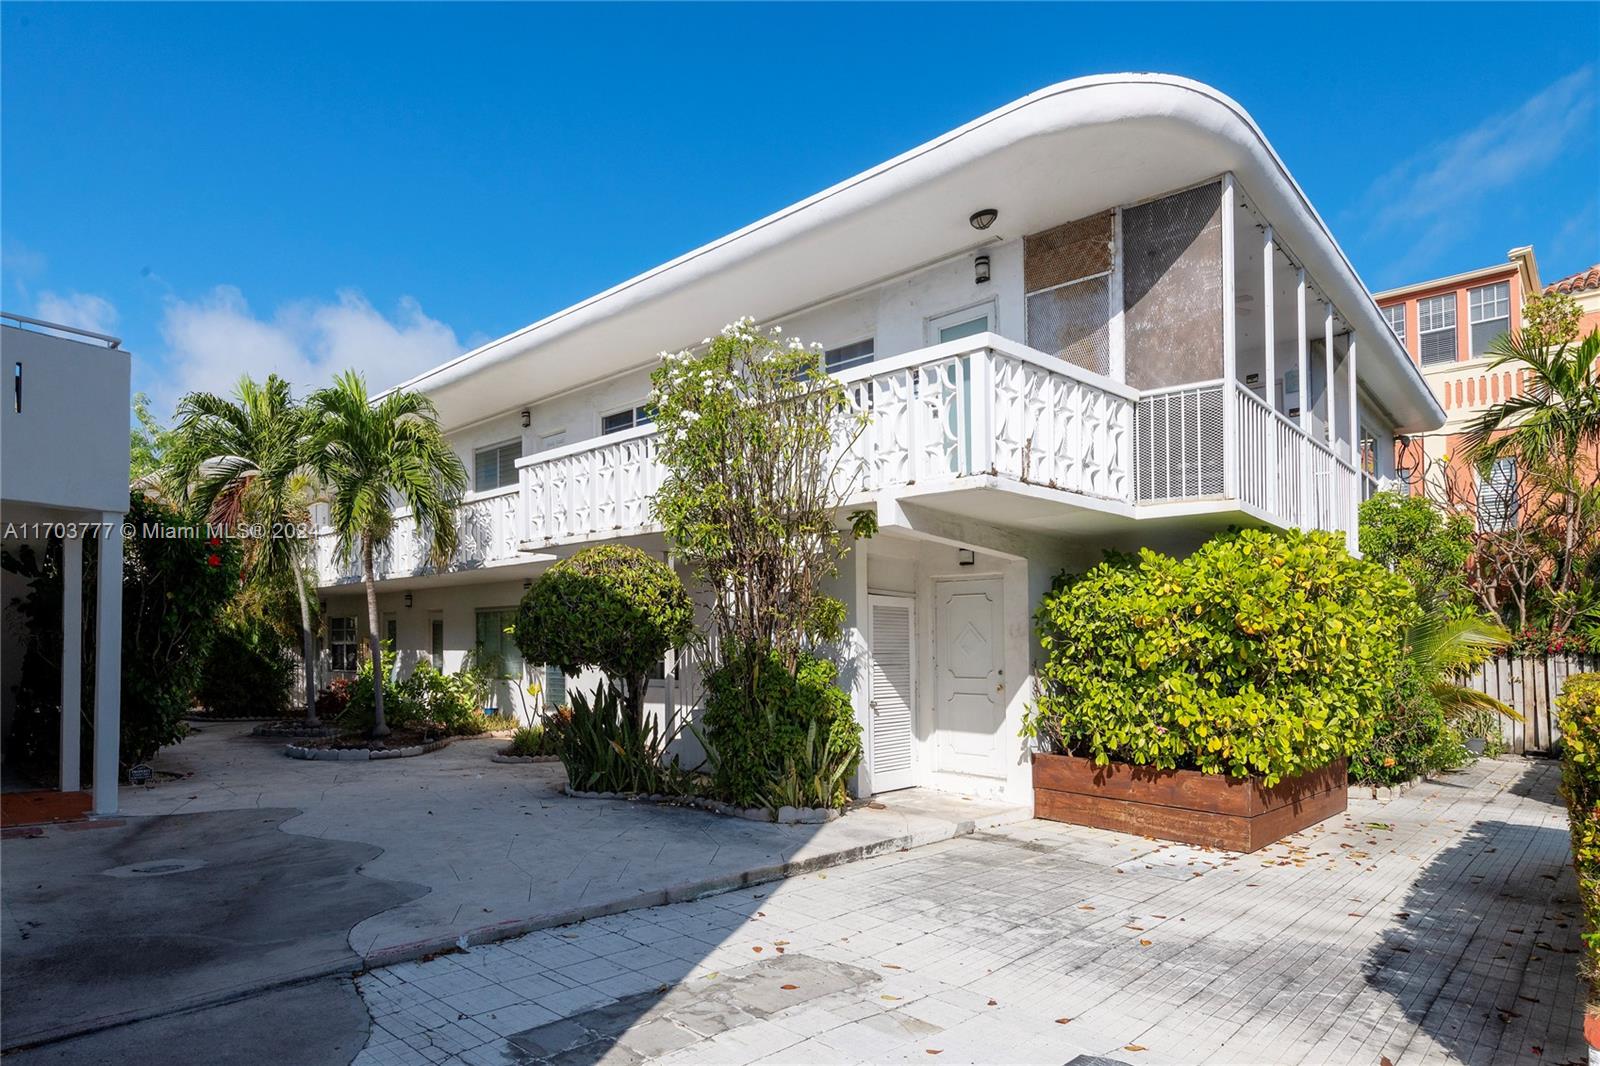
<point>214,559</point>
<point>215,541</point>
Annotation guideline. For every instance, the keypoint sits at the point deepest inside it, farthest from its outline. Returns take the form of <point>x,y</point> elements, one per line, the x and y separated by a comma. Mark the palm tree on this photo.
<point>244,461</point>
<point>1558,414</point>
<point>1442,651</point>
<point>370,453</point>
<point>1548,428</point>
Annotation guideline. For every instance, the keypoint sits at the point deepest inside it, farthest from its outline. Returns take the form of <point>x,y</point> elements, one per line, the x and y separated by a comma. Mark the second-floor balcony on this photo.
<point>983,413</point>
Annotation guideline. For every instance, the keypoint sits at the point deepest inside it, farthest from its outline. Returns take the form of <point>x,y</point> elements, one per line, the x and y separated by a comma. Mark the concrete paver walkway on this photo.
<point>1438,925</point>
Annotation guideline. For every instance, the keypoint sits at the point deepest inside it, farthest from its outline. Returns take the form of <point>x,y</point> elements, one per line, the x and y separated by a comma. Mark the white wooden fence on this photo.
<point>1530,685</point>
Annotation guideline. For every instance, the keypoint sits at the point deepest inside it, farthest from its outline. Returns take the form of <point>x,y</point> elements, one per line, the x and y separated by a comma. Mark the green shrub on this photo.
<point>174,589</point>
<point>755,745</point>
<point>1261,653</point>
<point>1425,545</point>
<point>531,740</point>
<point>1410,738</point>
<point>1579,710</point>
<point>425,700</point>
<point>247,671</point>
<point>606,750</point>
<point>610,607</point>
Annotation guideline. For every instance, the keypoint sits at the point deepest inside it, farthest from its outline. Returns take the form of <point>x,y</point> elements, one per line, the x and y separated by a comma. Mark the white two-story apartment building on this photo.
<point>1103,316</point>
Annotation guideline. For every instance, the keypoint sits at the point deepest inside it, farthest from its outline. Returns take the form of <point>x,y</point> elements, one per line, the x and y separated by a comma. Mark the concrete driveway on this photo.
<point>250,871</point>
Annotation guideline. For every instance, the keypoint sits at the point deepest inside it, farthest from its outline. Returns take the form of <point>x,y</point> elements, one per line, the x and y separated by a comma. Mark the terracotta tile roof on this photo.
<point>1579,282</point>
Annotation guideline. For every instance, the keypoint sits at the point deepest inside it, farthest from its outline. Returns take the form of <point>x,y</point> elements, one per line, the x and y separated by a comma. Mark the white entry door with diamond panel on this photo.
<point>893,702</point>
<point>969,677</point>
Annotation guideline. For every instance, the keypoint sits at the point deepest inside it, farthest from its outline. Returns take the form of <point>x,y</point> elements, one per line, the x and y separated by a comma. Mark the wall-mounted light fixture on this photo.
<point>527,583</point>
<point>980,270</point>
<point>966,557</point>
<point>527,418</point>
<point>983,218</point>
<point>408,599</point>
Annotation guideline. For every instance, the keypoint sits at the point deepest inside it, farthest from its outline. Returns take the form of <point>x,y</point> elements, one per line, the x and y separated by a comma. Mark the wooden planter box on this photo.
<point>1233,813</point>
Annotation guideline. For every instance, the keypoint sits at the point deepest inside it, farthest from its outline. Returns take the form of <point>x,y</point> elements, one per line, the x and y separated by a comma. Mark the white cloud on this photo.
<point>1433,189</point>
<point>213,341</point>
<point>81,310</point>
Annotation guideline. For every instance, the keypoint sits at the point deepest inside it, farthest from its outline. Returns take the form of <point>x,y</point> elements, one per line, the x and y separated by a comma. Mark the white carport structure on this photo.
<point>64,475</point>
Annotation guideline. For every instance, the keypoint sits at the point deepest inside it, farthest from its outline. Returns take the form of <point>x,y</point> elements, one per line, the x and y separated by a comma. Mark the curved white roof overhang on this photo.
<point>1058,154</point>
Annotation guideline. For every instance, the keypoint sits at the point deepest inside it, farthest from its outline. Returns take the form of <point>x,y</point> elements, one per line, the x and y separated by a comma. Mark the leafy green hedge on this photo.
<point>1579,710</point>
<point>1261,653</point>
<point>247,671</point>
<point>758,745</point>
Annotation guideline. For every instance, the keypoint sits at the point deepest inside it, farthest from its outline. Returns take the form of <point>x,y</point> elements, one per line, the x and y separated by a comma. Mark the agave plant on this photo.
<point>605,750</point>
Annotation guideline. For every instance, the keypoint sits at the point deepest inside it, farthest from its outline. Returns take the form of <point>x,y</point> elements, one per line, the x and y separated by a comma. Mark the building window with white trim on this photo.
<point>1497,497</point>
<point>342,644</point>
<point>618,421</point>
<point>1396,317</point>
<point>1489,312</point>
<point>1436,329</point>
<point>848,355</point>
<point>495,467</point>
<point>555,688</point>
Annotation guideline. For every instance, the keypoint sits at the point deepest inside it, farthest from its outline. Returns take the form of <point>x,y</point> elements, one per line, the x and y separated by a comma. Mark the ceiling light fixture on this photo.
<point>983,218</point>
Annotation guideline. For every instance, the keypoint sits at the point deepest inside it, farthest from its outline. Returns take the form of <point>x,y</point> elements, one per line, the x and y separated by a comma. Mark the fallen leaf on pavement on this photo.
<point>1144,943</point>
<point>788,988</point>
<point>1062,1021</point>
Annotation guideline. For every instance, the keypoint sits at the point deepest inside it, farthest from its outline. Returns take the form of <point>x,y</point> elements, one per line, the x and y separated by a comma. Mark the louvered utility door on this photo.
<point>893,693</point>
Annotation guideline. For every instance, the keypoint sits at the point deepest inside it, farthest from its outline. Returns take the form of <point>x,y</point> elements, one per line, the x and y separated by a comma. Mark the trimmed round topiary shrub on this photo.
<point>1262,653</point>
<point>610,607</point>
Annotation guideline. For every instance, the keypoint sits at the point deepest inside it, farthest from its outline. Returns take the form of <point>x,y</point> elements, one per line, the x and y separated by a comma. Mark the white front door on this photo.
<point>893,701</point>
<point>969,676</point>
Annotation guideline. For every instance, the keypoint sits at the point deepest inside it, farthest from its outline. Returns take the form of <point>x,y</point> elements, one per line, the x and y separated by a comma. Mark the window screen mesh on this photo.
<point>1072,322</point>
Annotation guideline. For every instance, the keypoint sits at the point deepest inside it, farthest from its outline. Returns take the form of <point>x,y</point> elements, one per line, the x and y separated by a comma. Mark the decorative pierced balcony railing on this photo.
<point>936,415</point>
<point>982,407</point>
<point>489,530</point>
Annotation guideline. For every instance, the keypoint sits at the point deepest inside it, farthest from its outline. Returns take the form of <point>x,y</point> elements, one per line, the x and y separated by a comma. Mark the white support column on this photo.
<point>1230,408</point>
<point>71,663</point>
<point>108,665</point>
<point>1271,370</point>
<point>1118,336</point>
<point>1352,538</point>
<point>1303,392</point>
<point>1327,376</point>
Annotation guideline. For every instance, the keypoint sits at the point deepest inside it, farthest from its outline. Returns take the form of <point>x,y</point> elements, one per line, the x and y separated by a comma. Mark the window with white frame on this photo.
<point>436,641</point>
<point>848,355</point>
<point>1397,320</point>
<point>342,643</point>
<point>1489,313</point>
<point>494,637</point>
<point>1497,497</point>
<point>618,421</point>
<point>495,467</point>
<point>1436,328</point>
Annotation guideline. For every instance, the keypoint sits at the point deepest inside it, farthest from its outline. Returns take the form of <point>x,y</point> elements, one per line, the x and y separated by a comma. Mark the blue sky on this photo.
<point>301,187</point>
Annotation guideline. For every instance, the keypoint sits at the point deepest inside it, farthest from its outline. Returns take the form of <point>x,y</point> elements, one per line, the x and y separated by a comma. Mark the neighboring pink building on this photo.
<point>1584,287</point>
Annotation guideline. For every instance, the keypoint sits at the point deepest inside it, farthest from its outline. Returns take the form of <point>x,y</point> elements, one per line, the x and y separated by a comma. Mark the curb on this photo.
<point>294,751</point>
<point>357,962</point>
<point>684,891</point>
